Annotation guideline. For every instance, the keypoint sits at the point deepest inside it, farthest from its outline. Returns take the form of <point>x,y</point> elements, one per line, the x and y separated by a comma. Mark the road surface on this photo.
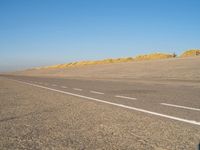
<point>93,114</point>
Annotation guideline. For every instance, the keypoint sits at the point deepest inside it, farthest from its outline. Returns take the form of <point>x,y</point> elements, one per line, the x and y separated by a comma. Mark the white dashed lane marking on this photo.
<point>64,87</point>
<point>125,97</point>
<point>96,92</point>
<point>77,89</point>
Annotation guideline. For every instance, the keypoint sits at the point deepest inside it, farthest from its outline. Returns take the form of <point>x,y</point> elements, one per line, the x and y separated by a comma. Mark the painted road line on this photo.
<point>64,87</point>
<point>95,92</point>
<point>125,97</point>
<point>179,106</point>
<point>115,104</point>
<point>77,89</point>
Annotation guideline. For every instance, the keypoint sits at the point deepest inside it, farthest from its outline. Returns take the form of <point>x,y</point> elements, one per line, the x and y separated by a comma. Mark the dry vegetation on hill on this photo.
<point>152,56</point>
<point>83,63</point>
<point>189,53</point>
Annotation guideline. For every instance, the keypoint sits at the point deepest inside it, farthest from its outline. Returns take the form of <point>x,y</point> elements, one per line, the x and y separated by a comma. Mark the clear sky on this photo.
<point>46,32</point>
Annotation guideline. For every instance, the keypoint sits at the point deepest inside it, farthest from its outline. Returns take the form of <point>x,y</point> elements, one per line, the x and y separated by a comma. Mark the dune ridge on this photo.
<point>152,56</point>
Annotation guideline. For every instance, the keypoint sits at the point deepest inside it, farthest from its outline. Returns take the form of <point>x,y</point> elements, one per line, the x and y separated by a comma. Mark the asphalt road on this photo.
<point>177,101</point>
<point>171,107</point>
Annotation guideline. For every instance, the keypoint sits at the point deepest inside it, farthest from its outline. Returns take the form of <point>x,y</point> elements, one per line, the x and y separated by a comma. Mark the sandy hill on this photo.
<point>153,56</point>
<point>189,53</point>
<point>186,69</point>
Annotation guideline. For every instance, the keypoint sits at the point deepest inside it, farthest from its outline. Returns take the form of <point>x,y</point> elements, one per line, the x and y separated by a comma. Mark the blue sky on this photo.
<point>46,32</point>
